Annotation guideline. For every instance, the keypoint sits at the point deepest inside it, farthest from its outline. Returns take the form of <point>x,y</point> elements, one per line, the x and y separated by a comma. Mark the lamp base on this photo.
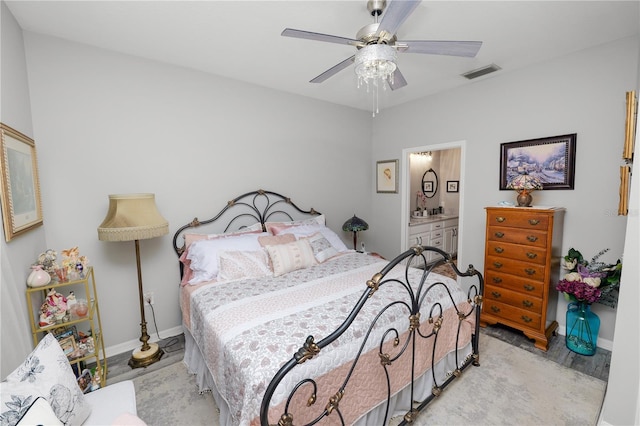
<point>140,358</point>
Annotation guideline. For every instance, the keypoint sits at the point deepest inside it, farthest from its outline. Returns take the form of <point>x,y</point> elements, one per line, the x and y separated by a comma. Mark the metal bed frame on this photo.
<point>261,206</point>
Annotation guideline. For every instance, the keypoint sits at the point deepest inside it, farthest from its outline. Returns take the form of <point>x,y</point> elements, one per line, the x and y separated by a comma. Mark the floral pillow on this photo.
<point>322,248</point>
<point>235,265</point>
<point>44,373</point>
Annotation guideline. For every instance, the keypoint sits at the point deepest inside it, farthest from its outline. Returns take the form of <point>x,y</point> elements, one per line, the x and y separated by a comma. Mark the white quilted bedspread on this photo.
<point>247,329</point>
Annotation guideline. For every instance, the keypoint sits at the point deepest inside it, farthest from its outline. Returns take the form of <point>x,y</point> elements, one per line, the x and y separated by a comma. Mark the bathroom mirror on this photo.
<point>429,183</point>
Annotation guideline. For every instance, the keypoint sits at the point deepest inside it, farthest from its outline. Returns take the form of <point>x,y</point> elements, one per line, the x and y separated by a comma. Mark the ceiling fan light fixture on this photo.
<point>374,66</point>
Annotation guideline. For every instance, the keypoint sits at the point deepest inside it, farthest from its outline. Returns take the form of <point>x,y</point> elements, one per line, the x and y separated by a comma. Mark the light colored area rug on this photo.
<point>169,397</point>
<point>511,386</point>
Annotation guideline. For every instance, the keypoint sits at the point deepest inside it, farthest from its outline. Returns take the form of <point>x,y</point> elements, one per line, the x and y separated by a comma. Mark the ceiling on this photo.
<point>241,39</point>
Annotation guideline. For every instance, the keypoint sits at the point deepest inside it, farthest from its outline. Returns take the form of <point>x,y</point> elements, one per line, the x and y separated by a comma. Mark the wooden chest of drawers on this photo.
<point>522,260</point>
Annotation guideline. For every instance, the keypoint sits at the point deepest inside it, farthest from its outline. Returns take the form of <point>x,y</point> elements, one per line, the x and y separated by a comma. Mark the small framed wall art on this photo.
<point>551,160</point>
<point>20,187</point>
<point>387,176</point>
<point>452,186</point>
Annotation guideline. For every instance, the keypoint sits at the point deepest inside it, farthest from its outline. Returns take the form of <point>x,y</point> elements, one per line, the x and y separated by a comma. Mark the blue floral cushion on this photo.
<point>44,373</point>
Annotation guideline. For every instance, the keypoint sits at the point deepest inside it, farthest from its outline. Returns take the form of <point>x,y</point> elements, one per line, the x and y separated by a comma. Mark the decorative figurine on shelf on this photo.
<point>47,261</point>
<point>74,263</point>
<point>53,309</point>
<point>71,300</point>
<point>38,277</point>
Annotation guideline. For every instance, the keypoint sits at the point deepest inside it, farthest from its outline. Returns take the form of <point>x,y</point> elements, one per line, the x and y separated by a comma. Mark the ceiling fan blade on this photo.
<point>396,13</point>
<point>334,70</point>
<point>398,80</point>
<point>437,47</point>
<point>290,32</point>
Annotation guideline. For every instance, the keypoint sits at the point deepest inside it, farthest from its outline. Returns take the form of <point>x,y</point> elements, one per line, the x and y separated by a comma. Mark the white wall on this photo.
<point>622,400</point>
<point>17,255</point>
<point>582,93</point>
<point>109,123</point>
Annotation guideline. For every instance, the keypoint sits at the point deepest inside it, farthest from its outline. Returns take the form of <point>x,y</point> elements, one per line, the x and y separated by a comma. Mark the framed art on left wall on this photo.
<point>20,189</point>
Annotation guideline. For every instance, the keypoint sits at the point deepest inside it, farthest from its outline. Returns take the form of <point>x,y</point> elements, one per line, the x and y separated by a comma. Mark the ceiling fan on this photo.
<point>378,45</point>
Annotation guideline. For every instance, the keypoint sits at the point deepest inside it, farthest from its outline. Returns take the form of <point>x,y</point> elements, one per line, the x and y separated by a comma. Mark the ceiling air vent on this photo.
<point>481,71</point>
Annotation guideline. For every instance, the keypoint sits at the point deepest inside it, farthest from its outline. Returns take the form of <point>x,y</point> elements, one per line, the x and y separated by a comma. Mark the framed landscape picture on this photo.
<point>552,160</point>
<point>20,192</point>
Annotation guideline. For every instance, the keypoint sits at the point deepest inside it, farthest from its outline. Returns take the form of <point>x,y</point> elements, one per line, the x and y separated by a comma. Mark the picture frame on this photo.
<point>427,186</point>
<point>85,380</point>
<point>20,186</point>
<point>68,345</point>
<point>452,185</point>
<point>387,176</point>
<point>552,160</point>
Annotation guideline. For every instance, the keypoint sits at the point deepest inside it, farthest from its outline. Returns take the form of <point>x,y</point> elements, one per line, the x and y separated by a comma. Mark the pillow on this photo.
<point>204,254</point>
<point>272,240</point>
<point>191,238</point>
<point>315,220</point>
<point>321,247</point>
<point>236,265</point>
<point>187,273</point>
<point>308,230</point>
<point>44,373</point>
<point>291,257</point>
<point>39,413</point>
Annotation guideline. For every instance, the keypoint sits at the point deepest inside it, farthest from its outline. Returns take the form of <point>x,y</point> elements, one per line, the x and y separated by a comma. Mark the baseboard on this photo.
<point>133,344</point>
<point>602,343</point>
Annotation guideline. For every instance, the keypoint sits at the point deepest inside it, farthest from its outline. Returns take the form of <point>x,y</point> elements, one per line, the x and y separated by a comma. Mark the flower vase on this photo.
<point>582,328</point>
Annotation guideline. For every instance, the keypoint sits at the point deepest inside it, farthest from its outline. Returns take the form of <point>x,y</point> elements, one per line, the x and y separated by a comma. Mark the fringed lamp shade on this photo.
<point>132,217</point>
<point>354,225</point>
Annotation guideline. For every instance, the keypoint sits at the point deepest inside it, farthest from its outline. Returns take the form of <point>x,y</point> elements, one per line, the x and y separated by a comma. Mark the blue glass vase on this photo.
<point>582,328</point>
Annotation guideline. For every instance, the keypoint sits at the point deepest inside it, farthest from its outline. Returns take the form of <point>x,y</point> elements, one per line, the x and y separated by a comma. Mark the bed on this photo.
<point>285,325</point>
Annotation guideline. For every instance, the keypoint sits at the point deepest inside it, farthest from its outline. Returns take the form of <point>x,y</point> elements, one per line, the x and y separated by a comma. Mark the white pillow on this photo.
<point>40,413</point>
<point>204,254</point>
<point>45,372</point>
<point>291,257</point>
<point>307,230</point>
<point>322,248</point>
<point>315,220</point>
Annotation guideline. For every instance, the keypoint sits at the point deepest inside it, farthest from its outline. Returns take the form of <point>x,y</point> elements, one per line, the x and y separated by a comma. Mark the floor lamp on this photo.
<point>135,217</point>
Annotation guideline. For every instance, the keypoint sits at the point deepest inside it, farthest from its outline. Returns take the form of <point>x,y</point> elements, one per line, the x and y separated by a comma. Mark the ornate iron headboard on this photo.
<point>253,207</point>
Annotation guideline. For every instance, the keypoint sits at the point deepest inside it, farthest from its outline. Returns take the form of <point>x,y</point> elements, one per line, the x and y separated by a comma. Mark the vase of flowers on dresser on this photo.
<point>585,283</point>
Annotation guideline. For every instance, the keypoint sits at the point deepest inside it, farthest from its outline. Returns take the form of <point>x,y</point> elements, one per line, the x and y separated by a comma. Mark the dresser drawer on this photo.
<point>518,219</point>
<point>513,298</point>
<point>517,236</point>
<point>518,284</point>
<point>517,252</point>
<point>527,270</point>
<point>510,313</point>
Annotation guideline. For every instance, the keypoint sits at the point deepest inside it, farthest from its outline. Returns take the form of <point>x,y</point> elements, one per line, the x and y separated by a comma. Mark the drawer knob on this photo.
<point>496,294</point>
<point>532,238</point>
<point>534,222</point>
<point>526,318</point>
<point>530,271</point>
<point>497,280</point>
<point>499,234</point>
<point>495,309</point>
<point>497,264</point>
<point>498,249</point>
<point>500,219</point>
<point>527,303</point>
<point>529,287</point>
<point>532,255</point>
